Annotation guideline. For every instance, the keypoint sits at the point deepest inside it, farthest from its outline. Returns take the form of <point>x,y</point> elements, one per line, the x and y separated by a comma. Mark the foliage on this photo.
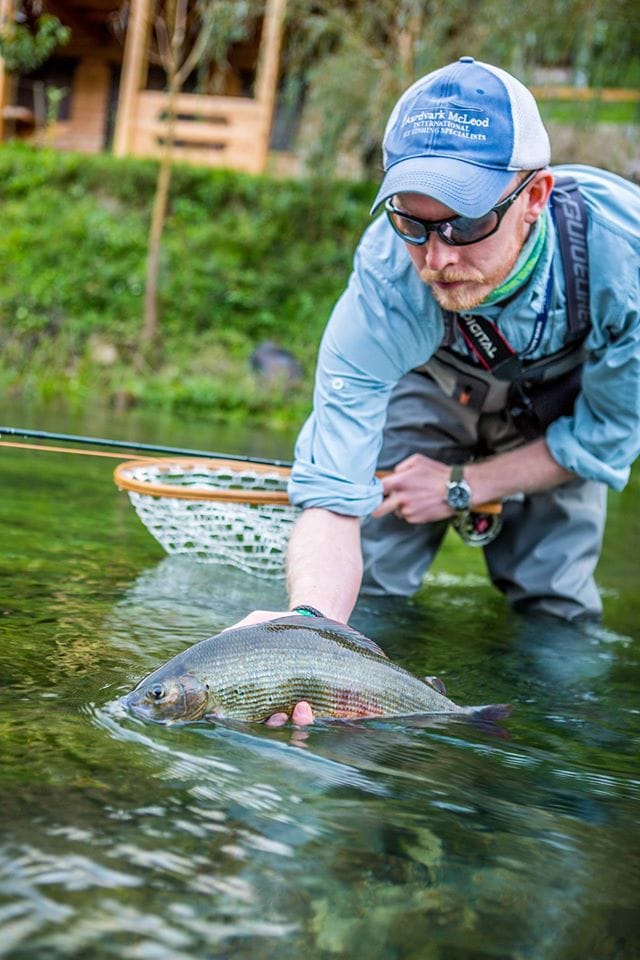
<point>244,259</point>
<point>185,40</point>
<point>374,51</point>
<point>199,35</point>
<point>29,38</point>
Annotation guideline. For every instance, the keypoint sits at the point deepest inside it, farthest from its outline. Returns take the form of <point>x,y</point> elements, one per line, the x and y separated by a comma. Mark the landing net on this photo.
<point>217,511</point>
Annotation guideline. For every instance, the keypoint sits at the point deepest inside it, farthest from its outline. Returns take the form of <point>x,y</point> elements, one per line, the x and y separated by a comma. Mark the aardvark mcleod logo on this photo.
<point>457,121</point>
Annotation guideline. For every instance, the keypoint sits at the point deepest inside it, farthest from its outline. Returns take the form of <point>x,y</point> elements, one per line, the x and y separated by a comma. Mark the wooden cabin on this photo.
<point>112,93</point>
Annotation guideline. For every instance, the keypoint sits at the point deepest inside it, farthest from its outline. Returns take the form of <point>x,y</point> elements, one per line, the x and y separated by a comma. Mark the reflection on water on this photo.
<point>388,839</point>
<point>194,599</point>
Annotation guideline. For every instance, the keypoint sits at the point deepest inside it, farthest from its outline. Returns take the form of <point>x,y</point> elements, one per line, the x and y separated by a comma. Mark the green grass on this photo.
<point>589,112</point>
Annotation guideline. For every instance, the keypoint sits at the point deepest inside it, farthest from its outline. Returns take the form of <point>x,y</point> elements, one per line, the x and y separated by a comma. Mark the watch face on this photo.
<point>459,495</point>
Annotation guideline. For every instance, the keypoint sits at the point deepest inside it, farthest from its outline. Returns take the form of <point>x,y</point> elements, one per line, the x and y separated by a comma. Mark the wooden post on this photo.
<point>6,13</point>
<point>268,65</point>
<point>134,66</point>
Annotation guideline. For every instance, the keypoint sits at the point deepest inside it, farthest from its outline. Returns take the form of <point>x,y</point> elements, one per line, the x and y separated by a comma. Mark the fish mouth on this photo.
<point>141,710</point>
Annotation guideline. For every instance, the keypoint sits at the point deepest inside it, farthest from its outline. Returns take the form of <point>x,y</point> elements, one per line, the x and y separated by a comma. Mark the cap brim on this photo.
<point>465,188</point>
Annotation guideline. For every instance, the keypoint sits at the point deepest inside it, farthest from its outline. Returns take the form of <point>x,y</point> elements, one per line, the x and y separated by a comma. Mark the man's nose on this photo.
<point>438,254</point>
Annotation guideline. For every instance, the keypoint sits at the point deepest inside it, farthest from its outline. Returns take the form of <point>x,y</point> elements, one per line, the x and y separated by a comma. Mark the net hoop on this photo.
<point>217,511</point>
<point>201,479</point>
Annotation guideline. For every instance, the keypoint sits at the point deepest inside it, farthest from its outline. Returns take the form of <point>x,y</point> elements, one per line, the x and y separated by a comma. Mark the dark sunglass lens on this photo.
<point>406,227</point>
<point>464,230</point>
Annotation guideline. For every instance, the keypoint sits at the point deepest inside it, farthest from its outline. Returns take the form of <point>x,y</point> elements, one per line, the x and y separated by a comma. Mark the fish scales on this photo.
<point>250,673</point>
<point>297,663</point>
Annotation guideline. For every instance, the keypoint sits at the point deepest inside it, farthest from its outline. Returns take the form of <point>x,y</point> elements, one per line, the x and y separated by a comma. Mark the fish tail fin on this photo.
<point>488,717</point>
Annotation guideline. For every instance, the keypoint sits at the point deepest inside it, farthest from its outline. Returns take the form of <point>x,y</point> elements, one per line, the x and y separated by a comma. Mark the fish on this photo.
<point>249,673</point>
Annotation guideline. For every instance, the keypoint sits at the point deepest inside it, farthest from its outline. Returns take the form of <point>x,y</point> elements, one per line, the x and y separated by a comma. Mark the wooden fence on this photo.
<point>604,95</point>
<point>230,132</point>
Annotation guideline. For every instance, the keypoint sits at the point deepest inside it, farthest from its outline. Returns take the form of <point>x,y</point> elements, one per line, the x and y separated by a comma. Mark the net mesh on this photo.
<point>216,511</point>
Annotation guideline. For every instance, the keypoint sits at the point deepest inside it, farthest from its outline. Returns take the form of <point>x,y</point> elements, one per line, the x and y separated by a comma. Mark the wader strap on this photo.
<point>568,210</point>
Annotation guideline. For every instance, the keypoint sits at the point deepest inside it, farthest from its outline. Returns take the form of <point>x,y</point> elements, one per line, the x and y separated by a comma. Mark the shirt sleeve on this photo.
<point>381,327</point>
<point>601,439</point>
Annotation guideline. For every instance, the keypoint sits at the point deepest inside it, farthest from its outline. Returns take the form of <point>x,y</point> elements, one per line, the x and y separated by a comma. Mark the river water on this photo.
<point>385,840</point>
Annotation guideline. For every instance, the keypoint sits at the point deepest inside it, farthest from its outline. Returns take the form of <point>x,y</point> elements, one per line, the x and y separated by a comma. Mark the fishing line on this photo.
<point>132,445</point>
<point>78,453</point>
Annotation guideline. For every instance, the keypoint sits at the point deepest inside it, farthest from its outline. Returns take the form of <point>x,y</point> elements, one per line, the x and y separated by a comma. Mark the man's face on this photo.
<point>461,277</point>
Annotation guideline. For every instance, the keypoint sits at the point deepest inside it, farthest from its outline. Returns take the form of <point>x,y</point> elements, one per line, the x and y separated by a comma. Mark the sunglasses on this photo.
<point>456,231</point>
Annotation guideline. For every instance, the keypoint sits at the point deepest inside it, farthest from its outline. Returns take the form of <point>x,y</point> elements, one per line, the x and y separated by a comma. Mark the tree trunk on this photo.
<point>149,331</point>
<point>150,326</point>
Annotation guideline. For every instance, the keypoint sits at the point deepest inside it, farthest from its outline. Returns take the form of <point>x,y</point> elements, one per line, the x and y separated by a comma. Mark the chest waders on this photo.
<point>534,393</point>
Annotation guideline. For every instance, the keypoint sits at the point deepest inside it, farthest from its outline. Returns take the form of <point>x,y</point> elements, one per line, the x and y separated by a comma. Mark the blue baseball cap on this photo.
<point>459,134</point>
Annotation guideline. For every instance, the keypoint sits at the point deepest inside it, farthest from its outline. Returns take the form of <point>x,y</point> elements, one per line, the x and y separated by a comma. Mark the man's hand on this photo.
<point>330,587</point>
<point>415,491</point>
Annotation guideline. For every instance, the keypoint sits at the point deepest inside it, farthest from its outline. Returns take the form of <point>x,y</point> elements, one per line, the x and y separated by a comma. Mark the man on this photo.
<point>462,274</point>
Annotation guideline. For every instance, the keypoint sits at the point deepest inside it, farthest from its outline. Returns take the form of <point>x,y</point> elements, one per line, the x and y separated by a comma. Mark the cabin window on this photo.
<point>57,72</point>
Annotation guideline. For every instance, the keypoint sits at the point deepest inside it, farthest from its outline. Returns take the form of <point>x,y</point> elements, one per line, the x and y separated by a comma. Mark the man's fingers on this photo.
<point>302,714</point>
<point>405,464</point>
<point>388,505</point>
<point>383,509</point>
<point>277,720</point>
<point>388,484</point>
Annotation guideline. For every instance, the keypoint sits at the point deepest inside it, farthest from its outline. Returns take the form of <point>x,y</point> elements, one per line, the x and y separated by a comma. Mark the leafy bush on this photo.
<point>244,259</point>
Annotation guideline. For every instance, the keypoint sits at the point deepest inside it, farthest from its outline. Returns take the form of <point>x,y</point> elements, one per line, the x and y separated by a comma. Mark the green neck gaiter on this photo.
<point>526,262</point>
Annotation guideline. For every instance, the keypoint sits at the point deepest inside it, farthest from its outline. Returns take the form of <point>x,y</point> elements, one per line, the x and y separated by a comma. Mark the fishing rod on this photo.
<point>129,445</point>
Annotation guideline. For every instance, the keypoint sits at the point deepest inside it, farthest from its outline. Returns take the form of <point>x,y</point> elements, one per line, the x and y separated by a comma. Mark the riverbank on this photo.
<point>244,260</point>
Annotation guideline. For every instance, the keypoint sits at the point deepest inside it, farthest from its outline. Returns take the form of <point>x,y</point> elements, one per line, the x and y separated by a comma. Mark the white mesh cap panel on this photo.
<point>531,147</point>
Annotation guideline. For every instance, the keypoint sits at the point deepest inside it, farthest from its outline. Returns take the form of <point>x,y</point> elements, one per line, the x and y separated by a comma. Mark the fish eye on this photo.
<point>156,692</point>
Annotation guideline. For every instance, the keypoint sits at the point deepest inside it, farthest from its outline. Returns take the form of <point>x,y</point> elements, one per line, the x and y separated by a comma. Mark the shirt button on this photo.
<point>337,383</point>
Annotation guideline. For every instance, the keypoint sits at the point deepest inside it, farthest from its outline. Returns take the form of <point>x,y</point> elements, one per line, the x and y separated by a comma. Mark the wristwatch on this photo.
<point>458,491</point>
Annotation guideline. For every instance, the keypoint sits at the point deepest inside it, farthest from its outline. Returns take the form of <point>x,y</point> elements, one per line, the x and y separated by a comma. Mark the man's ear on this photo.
<point>537,195</point>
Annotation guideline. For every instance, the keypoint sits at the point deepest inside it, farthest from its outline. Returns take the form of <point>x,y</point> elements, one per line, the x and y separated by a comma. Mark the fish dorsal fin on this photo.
<point>324,624</point>
<point>437,684</point>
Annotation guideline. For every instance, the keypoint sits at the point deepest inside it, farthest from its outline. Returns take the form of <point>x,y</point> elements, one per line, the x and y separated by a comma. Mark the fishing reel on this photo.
<point>479,527</point>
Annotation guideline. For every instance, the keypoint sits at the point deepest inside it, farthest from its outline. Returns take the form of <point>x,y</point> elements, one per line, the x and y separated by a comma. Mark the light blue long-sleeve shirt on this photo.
<point>386,323</point>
